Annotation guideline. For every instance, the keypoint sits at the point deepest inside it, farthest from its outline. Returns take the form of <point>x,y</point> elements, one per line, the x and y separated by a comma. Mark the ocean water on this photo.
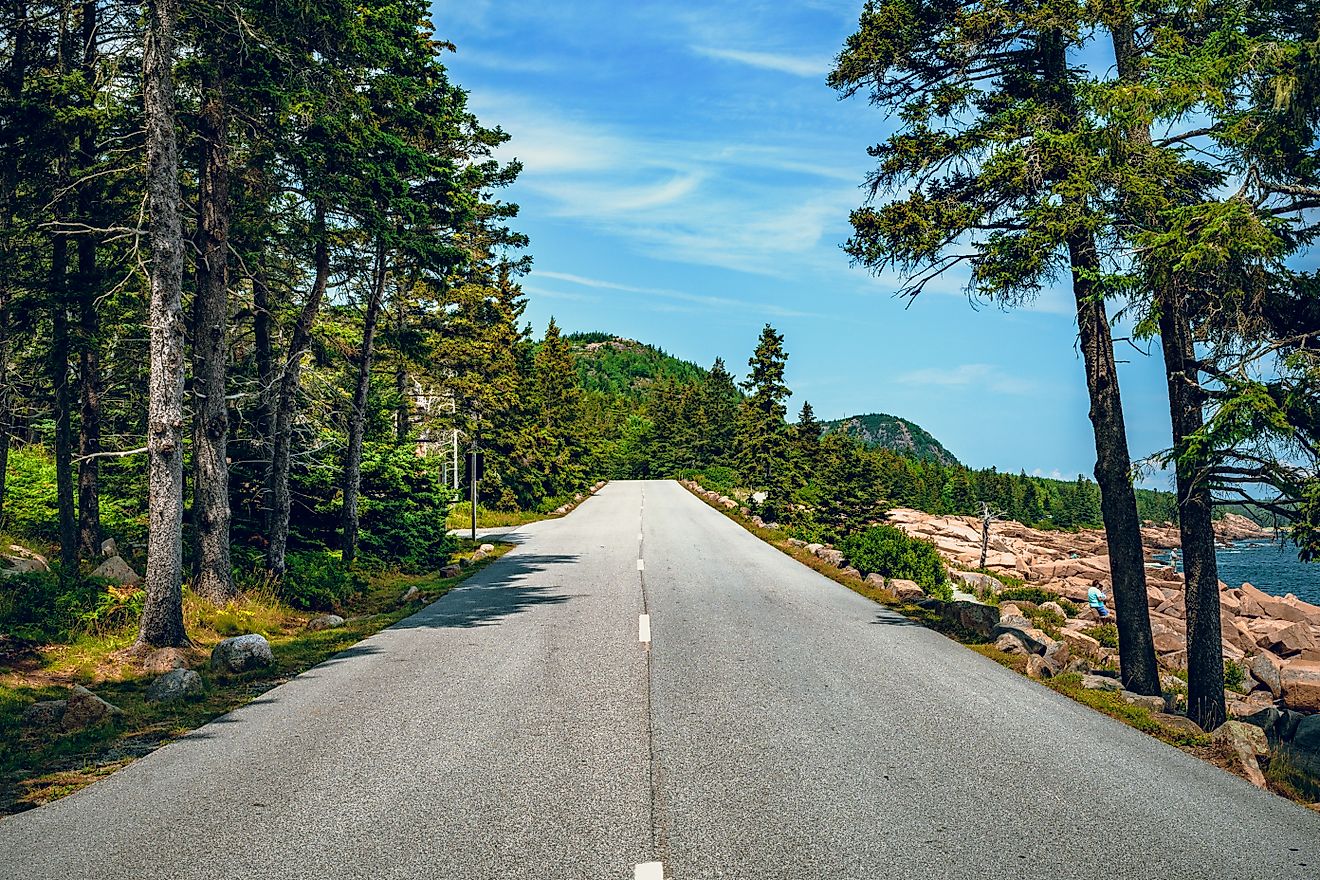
<point>1270,567</point>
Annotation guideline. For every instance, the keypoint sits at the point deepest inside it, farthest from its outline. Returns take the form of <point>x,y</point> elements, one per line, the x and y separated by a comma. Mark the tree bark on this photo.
<point>1113,473</point>
<point>15,76</point>
<point>265,358</point>
<point>286,400</point>
<point>211,513</point>
<point>1205,651</point>
<point>357,419</point>
<point>1113,466</point>
<point>59,377</point>
<point>89,331</point>
<point>162,615</point>
<point>402,417</point>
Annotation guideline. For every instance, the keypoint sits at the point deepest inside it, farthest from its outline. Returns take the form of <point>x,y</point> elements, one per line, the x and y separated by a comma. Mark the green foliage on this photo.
<point>1026,594</point>
<point>889,552</point>
<point>622,367</point>
<point>318,581</point>
<point>44,607</point>
<point>1234,674</point>
<point>404,507</point>
<point>30,494</point>
<point>1106,634</point>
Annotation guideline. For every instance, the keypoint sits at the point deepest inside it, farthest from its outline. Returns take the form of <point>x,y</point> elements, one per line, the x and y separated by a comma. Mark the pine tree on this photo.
<point>762,435</point>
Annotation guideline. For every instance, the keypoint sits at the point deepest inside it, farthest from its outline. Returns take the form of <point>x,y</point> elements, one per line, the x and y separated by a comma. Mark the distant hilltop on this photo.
<point>892,432</point>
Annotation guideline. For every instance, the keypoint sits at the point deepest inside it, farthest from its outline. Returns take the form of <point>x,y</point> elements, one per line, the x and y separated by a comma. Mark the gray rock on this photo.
<point>978,581</point>
<point>117,570</point>
<point>832,556</point>
<point>1178,722</point>
<point>109,548</point>
<point>1042,667</point>
<point>21,560</point>
<point>852,572</point>
<point>972,617</point>
<point>325,621</point>
<point>175,685</point>
<point>1153,703</point>
<point>1035,641</point>
<point>1302,752</point>
<point>487,548</point>
<point>409,594</point>
<point>85,708</point>
<point>451,571</point>
<point>1101,683</point>
<point>1009,643</point>
<point>45,713</point>
<point>1267,670</point>
<point>241,653</point>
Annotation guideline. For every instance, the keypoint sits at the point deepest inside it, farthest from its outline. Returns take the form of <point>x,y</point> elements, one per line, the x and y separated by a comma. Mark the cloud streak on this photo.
<point>795,65</point>
<point>978,377</point>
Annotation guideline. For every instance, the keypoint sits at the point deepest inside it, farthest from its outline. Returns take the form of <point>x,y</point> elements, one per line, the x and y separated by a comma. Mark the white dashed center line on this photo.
<point>644,634</point>
<point>641,566</point>
<point>649,871</point>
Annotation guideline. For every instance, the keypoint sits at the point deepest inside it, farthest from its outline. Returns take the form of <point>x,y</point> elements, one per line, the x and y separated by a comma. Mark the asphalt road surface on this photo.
<point>775,725</point>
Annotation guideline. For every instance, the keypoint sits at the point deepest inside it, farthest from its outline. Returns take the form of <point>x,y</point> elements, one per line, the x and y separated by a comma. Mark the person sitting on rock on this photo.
<point>1096,597</point>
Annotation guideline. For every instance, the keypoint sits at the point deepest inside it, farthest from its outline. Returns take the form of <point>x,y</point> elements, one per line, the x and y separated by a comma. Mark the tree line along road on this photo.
<point>643,689</point>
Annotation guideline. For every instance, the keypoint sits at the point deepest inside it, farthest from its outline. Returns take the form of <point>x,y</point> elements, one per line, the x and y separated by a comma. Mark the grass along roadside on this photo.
<point>40,764</point>
<point>1110,703</point>
<point>460,515</point>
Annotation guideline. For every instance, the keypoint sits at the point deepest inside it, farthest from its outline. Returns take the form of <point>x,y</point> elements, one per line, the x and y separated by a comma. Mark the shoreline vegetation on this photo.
<point>1044,634</point>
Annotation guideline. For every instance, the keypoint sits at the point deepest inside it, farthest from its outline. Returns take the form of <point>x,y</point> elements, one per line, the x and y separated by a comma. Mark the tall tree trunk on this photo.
<point>59,377</point>
<point>1205,651</point>
<point>357,419</point>
<point>162,615</point>
<point>401,414</point>
<point>89,331</point>
<point>1113,466</point>
<point>263,352</point>
<point>211,512</point>
<point>15,76</point>
<point>286,400</point>
<point>1113,473</point>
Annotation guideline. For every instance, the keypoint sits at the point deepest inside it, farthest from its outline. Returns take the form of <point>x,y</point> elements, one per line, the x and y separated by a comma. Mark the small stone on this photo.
<point>852,572</point>
<point>1144,701</point>
<point>109,548</point>
<point>45,713</point>
<point>1009,643</point>
<point>1180,723</point>
<point>1101,683</point>
<point>117,570</point>
<point>903,589</point>
<point>175,685</point>
<point>85,708</point>
<point>451,571</point>
<point>325,621</point>
<point>487,548</point>
<point>409,594</point>
<point>241,653</point>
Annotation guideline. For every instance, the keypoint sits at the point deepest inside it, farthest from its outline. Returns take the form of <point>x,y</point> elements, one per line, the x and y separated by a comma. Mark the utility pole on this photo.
<point>474,472</point>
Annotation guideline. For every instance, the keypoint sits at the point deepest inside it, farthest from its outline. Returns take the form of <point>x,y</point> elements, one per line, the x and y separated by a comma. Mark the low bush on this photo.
<point>889,552</point>
<point>45,608</point>
<point>1027,594</point>
<point>1106,634</point>
<point>404,506</point>
<point>1234,674</point>
<point>317,581</point>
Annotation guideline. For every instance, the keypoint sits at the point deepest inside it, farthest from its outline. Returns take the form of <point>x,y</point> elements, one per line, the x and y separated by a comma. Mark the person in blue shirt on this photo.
<point>1096,598</point>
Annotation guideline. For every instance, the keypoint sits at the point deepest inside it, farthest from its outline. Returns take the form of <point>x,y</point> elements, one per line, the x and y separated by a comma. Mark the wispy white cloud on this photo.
<point>982,377</point>
<point>783,63</point>
<point>693,301</point>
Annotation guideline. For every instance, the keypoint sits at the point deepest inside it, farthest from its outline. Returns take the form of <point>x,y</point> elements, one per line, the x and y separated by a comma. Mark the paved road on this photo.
<point>776,726</point>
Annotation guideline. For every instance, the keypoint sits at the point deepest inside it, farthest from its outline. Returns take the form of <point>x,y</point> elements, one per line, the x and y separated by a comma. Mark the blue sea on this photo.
<point>1268,566</point>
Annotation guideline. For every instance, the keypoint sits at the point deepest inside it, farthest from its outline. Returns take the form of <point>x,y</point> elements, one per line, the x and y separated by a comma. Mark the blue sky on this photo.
<point>688,179</point>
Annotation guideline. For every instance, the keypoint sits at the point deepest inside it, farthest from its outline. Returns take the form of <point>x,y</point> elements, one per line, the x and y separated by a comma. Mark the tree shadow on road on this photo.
<point>498,592</point>
<point>892,618</point>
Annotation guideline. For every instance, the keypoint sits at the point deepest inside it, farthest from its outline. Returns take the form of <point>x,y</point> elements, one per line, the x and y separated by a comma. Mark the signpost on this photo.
<point>476,468</point>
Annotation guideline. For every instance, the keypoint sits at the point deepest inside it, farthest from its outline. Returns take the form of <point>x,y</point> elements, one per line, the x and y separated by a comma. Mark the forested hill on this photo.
<point>891,432</point>
<point>614,365</point>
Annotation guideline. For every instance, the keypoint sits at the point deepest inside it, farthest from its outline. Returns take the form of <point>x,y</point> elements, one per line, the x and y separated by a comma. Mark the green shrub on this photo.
<point>1234,674</point>
<point>1027,594</point>
<point>42,607</point>
<point>1106,634</point>
<point>317,581</point>
<point>1050,621</point>
<point>403,509</point>
<point>889,552</point>
<point>30,494</point>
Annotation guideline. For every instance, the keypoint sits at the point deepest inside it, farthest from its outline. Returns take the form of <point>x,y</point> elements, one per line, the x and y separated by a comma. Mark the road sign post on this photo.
<point>476,466</point>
